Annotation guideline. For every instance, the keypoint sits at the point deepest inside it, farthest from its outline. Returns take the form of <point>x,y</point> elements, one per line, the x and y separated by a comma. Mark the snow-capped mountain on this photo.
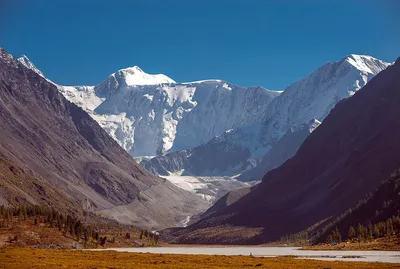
<point>241,149</point>
<point>152,114</point>
<point>158,118</point>
<point>314,96</point>
<point>132,76</point>
<point>212,127</point>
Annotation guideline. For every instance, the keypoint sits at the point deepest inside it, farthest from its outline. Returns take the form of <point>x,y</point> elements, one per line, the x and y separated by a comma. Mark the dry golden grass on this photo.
<point>39,258</point>
<point>377,244</point>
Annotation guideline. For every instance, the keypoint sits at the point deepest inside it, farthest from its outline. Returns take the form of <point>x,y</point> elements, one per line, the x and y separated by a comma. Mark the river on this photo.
<point>329,255</point>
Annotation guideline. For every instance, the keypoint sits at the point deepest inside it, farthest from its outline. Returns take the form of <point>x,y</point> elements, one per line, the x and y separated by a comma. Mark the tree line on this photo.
<point>299,238</point>
<point>365,233</point>
<point>67,224</point>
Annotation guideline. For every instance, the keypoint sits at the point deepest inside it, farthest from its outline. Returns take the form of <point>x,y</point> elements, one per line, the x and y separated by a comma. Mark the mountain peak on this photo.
<point>24,57</point>
<point>358,56</point>
<point>5,56</point>
<point>365,63</point>
<point>25,60</point>
<point>28,63</point>
<point>136,76</point>
<point>133,69</point>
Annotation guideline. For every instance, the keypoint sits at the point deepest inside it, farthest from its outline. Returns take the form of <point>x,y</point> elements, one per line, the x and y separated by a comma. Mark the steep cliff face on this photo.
<point>348,156</point>
<point>67,152</point>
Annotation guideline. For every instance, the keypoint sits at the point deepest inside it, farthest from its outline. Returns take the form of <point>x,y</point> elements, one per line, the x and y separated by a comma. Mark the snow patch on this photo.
<point>226,86</point>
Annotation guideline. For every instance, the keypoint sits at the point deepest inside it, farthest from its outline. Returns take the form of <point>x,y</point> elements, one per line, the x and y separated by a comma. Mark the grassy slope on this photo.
<point>39,258</point>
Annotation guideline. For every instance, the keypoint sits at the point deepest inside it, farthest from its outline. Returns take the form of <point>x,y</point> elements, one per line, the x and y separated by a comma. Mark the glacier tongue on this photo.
<point>209,188</point>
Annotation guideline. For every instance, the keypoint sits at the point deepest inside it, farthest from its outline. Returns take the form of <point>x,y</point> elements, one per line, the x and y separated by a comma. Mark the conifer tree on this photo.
<point>329,239</point>
<point>370,232</point>
<point>352,233</point>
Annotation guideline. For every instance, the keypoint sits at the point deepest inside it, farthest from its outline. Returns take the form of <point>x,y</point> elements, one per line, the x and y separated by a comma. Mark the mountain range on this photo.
<point>152,114</point>
<point>213,129</point>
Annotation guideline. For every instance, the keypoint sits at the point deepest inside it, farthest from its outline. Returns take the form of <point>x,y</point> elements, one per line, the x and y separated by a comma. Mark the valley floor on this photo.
<point>41,258</point>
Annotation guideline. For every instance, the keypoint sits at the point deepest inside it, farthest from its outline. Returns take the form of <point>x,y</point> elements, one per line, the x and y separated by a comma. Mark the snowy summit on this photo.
<point>136,76</point>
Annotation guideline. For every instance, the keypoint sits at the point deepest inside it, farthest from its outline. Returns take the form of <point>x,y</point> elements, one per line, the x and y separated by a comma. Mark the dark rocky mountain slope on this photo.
<point>379,206</point>
<point>71,160</point>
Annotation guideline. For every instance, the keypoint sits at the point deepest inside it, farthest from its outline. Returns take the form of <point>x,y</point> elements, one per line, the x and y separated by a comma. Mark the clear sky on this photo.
<point>249,42</point>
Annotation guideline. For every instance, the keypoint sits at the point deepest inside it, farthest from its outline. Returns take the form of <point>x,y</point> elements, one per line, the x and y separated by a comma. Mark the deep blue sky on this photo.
<point>268,43</point>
